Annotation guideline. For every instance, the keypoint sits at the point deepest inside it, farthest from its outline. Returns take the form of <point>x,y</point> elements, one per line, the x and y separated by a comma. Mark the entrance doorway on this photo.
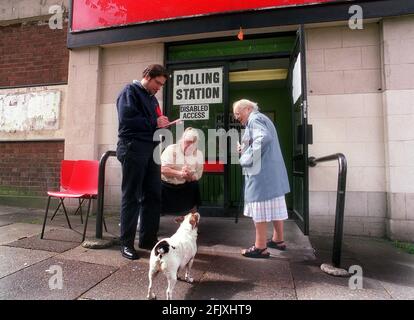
<point>266,83</point>
<point>260,70</point>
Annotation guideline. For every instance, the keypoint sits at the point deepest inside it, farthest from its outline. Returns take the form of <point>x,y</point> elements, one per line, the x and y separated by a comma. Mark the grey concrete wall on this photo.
<point>345,109</point>
<point>365,213</point>
<point>81,129</point>
<point>397,50</point>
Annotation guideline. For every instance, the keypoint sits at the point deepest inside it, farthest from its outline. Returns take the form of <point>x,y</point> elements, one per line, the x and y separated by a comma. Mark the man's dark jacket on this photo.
<point>136,113</point>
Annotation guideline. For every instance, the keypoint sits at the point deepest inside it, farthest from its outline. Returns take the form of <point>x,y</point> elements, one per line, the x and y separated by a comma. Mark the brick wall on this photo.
<point>30,168</point>
<point>33,54</point>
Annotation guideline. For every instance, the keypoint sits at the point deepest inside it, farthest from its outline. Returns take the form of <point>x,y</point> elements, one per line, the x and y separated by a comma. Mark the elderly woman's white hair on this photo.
<point>244,103</point>
<point>190,134</point>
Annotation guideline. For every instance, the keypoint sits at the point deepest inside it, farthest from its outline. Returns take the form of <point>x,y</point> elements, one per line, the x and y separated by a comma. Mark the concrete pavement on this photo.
<point>30,267</point>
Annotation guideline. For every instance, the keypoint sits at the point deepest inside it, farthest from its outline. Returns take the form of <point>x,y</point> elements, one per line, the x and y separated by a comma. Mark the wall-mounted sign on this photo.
<point>97,14</point>
<point>198,86</point>
<point>297,80</point>
<point>30,111</point>
<point>194,112</point>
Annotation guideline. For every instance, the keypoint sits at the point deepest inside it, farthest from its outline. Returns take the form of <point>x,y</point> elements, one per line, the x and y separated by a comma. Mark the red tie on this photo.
<point>158,111</point>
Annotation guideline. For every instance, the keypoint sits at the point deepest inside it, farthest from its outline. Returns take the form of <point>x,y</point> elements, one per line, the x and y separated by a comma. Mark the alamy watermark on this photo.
<point>355,281</point>
<point>56,20</point>
<point>242,147</point>
<point>356,21</point>
<point>56,280</point>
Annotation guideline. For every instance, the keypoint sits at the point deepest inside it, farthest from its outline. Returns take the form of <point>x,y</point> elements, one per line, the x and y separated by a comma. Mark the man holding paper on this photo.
<point>139,116</point>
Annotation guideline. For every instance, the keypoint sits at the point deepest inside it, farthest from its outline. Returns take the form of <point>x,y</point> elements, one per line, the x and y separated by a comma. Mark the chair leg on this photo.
<point>86,221</point>
<point>80,209</point>
<point>60,203</point>
<point>44,220</point>
<point>66,214</point>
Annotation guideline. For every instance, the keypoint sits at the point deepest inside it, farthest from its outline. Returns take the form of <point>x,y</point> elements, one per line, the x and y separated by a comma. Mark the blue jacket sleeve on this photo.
<point>130,112</point>
<point>259,137</point>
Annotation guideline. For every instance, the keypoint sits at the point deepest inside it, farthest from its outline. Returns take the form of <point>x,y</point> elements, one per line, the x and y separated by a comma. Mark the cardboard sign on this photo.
<point>194,112</point>
<point>198,86</point>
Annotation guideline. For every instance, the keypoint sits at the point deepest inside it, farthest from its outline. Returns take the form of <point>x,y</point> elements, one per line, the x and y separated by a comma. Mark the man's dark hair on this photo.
<point>155,70</point>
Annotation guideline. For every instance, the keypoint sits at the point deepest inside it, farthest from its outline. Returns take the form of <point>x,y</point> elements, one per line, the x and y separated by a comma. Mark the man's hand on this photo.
<point>162,121</point>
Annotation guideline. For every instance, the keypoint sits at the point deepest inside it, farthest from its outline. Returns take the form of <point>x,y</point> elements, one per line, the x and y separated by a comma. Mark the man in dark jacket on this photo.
<point>139,116</point>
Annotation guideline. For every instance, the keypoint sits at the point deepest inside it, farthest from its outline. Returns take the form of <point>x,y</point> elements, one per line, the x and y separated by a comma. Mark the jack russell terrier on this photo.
<point>175,253</point>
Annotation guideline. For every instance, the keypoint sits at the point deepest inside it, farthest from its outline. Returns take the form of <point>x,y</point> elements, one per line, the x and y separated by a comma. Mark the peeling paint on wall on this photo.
<point>30,111</point>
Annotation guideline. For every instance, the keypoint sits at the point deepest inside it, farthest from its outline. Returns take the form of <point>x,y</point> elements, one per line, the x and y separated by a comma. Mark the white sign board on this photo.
<point>194,112</point>
<point>297,80</point>
<point>30,111</point>
<point>198,86</point>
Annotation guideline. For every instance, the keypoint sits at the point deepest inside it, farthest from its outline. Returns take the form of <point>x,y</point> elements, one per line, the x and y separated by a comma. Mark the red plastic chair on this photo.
<point>83,185</point>
<point>66,173</point>
<point>66,169</point>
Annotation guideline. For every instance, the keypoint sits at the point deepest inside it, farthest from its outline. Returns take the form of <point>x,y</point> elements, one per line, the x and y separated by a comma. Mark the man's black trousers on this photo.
<point>141,192</point>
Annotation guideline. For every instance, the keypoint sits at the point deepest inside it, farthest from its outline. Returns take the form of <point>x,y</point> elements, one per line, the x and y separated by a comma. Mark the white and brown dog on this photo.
<point>175,253</point>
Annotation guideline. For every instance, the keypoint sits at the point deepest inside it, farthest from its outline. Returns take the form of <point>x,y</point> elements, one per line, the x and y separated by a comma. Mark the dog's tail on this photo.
<point>162,248</point>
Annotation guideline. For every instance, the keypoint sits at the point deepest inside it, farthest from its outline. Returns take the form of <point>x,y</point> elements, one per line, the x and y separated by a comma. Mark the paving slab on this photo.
<point>108,256</point>
<point>239,290</point>
<point>55,240</point>
<point>6,210</point>
<point>313,284</point>
<point>232,238</point>
<point>15,259</point>
<point>16,231</point>
<point>233,277</point>
<point>32,283</point>
<point>4,222</point>
<point>379,260</point>
<point>323,246</point>
<point>398,291</point>
<point>134,279</point>
<point>396,273</point>
<point>28,216</point>
<point>36,216</point>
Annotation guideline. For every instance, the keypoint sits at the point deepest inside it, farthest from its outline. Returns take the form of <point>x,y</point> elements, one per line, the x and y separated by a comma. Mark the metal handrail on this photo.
<point>340,202</point>
<point>101,187</point>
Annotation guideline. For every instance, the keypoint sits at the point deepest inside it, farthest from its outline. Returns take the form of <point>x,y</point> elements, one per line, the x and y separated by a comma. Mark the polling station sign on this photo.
<point>198,86</point>
<point>194,112</point>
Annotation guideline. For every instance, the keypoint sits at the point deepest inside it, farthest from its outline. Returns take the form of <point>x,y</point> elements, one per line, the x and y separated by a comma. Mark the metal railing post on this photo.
<point>101,188</point>
<point>340,203</point>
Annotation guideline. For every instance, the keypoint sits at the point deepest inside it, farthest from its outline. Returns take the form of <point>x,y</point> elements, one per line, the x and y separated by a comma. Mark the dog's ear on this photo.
<point>179,219</point>
<point>194,221</point>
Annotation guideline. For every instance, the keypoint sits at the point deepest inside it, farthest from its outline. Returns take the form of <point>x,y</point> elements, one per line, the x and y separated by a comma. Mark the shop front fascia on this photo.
<point>297,13</point>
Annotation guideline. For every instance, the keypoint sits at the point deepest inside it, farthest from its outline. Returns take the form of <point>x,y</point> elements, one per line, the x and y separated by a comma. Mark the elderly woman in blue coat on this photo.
<point>265,176</point>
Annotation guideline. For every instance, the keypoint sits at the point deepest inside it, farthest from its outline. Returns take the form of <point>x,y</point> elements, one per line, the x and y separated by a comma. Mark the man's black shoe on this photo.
<point>129,253</point>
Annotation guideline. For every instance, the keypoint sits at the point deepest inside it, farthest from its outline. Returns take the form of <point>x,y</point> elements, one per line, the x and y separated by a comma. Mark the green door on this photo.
<point>199,77</point>
<point>222,188</point>
<point>300,185</point>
